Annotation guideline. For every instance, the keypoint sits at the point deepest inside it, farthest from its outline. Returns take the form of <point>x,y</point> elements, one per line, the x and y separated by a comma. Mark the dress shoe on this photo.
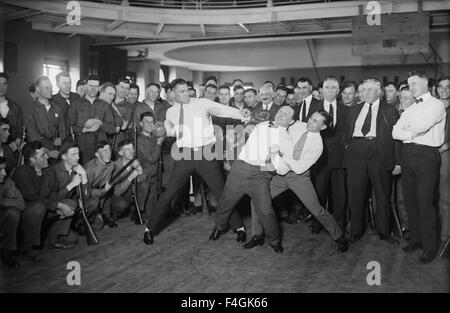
<point>255,241</point>
<point>109,221</point>
<point>411,246</point>
<point>241,236</point>
<point>8,260</point>
<point>278,248</point>
<point>389,239</point>
<point>212,209</point>
<point>354,238</point>
<point>290,220</point>
<point>217,233</point>
<point>315,230</point>
<point>98,223</point>
<point>194,210</point>
<point>316,227</point>
<point>427,257</point>
<point>342,244</point>
<point>148,237</point>
<point>31,255</point>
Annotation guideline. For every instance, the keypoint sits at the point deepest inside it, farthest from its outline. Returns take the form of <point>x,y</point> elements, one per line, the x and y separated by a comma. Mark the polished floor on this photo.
<point>183,260</point>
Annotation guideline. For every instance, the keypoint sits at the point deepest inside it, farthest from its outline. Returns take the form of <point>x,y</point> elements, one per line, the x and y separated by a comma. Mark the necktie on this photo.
<point>298,148</point>
<point>367,122</point>
<point>181,121</point>
<point>418,100</point>
<point>331,112</point>
<point>304,120</point>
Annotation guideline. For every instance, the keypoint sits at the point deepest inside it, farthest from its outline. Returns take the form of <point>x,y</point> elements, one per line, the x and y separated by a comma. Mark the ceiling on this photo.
<point>165,30</point>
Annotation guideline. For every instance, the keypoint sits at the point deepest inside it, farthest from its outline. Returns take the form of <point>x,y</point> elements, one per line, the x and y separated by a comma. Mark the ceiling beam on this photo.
<point>248,16</point>
<point>114,25</point>
<point>244,28</point>
<point>202,27</point>
<point>21,15</point>
<point>159,28</point>
<point>322,23</point>
<point>286,26</point>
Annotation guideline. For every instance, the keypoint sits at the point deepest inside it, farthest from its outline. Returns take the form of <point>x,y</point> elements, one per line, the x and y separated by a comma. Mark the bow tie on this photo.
<point>272,125</point>
<point>418,100</point>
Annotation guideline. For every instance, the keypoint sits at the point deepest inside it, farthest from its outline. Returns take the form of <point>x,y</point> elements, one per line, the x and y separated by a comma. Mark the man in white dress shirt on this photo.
<point>250,174</point>
<point>421,128</point>
<point>292,160</point>
<point>189,120</point>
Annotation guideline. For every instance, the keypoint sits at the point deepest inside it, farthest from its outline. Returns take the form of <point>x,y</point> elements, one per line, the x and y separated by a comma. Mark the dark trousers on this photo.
<point>249,179</point>
<point>209,170</point>
<point>420,173</point>
<point>364,167</point>
<point>330,186</point>
<point>32,218</point>
<point>9,225</point>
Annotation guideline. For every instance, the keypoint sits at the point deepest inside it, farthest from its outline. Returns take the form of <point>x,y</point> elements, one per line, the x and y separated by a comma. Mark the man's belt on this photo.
<point>365,138</point>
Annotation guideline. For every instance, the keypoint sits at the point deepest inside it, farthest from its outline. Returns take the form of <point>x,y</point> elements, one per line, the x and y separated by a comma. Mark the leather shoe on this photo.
<point>108,221</point>
<point>148,237</point>
<point>194,210</point>
<point>255,241</point>
<point>217,233</point>
<point>290,220</point>
<point>241,236</point>
<point>278,248</point>
<point>342,244</point>
<point>354,238</point>
<point>427,257</point>
<point>411,246</point>
<point>212,209</point>
<point>8,260</point>
<point>315,230</point>
<point>388,238</point>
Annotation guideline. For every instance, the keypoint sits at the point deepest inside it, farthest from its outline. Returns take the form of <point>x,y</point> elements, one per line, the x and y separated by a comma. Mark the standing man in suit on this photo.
<point>309,104</point>
<point>328,172</point>
<point>421,128</point>
<point>372,156</point>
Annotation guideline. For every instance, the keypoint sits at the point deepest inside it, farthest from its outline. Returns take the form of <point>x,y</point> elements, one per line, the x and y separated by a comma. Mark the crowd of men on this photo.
<point>348,154</point>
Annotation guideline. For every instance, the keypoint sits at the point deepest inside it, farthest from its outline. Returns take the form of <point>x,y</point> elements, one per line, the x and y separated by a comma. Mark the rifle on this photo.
<point>160,170</point>
<point>24,136</point>
<point>395,208</point>
<point>90,234</point>
<point>134,187</point>
<point>372,222</point>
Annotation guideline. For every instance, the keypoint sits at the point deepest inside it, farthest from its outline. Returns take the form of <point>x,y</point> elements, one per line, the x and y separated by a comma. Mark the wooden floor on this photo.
<point>183,260</point>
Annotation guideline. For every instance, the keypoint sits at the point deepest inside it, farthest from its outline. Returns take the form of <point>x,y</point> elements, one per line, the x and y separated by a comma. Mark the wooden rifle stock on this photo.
<point>90,234</point>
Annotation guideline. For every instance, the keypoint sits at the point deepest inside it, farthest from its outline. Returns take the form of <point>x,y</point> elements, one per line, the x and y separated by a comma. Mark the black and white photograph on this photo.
<point>223,152</point>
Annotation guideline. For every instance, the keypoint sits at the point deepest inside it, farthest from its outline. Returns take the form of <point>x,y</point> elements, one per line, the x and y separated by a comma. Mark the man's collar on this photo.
<point>375,103</point>
<point>308,98</point>
<point>62,96</point>
<point>425,96</point>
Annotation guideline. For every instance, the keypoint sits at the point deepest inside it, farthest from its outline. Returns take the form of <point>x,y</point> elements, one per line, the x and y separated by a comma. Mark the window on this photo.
<point>162,77</point>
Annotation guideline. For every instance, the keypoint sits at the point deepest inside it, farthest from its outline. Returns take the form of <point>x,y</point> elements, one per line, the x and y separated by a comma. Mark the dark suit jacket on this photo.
<point>388,148</point>
<point>273,111</point>
<point>59,100</point>
<point>333,138</point>
<point>15,119</point>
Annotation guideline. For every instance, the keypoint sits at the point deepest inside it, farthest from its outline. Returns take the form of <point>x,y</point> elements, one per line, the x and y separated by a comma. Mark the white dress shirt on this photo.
<point>362,117</point>
<point>4,109</point>
<point>308,100</point>
<point>310,154</point>
<point>198,130</point>
<point>422,123</point>
<point>267,106</point>
<point>326,107</point>
<point>262,138</point>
